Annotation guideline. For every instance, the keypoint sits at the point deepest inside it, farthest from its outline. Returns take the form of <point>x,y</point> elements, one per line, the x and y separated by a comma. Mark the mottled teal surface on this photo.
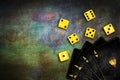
<point>30,40</point>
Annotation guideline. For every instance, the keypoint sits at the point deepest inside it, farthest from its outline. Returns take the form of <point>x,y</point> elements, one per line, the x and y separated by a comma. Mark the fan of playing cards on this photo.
<point>98,61</point>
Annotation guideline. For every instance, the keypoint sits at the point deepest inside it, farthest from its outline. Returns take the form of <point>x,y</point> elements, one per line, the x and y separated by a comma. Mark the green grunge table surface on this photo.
<point>30,39</point>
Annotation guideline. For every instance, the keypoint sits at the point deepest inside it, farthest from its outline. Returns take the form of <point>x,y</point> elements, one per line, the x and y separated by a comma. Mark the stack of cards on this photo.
<point>98,61</point>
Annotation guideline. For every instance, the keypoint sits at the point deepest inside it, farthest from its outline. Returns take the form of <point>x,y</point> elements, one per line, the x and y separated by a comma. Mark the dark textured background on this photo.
<point>30,39</point>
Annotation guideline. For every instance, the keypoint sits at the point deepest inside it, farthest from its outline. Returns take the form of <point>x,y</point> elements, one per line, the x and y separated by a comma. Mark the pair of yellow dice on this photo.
<point>90,32</point>
<point>89,15</point>
<point>64,23</point>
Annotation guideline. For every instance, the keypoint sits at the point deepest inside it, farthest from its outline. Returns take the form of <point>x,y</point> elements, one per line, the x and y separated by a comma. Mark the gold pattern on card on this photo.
<point>113,62</point>
<point>73,76</point>
<point>96,54</point>
<point>85,59</point>
<point>78,67</point>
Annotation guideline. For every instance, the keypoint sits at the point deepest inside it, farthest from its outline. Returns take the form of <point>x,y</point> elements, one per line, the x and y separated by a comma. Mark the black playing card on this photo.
<point>89,61</point>
<point>74,59</point>
<point>109,59</point>
<point>82,72</point>
<point>72,62</point>
<point>101,41</point>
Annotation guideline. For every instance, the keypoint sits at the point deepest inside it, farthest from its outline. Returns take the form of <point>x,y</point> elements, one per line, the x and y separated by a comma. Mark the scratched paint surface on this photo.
<point>30,40</point>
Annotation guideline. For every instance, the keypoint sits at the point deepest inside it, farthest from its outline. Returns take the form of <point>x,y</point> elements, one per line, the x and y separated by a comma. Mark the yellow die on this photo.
<point>89,15</point>
<point>109,29</point>
<point>63,56</point>
<point>63,23</point>
<point>90,32</point>
<point>73,38</point>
